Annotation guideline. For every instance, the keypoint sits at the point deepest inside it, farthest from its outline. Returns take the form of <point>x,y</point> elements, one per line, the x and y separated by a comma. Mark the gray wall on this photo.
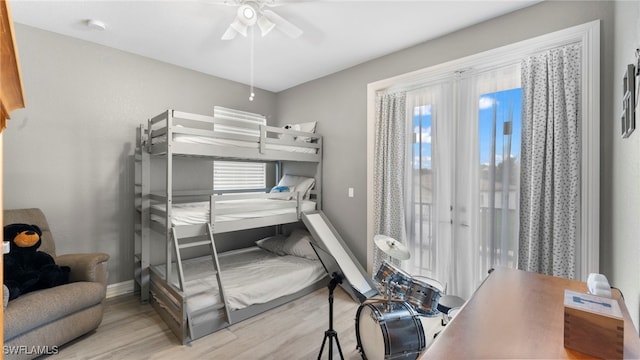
<point>69,151</point>
<point>620,159</point>
<point>338,103</point>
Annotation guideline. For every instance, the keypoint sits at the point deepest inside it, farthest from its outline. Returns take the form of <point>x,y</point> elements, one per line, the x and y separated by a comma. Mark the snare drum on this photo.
<point>390,330</point>
<point>393,280</point>
<point>424,294</point>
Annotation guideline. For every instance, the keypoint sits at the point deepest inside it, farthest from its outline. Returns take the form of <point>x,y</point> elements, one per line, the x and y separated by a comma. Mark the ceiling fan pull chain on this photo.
<point>251,95</point>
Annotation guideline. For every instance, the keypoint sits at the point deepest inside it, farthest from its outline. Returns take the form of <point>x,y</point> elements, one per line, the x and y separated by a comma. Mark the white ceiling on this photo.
<point>337,34</point>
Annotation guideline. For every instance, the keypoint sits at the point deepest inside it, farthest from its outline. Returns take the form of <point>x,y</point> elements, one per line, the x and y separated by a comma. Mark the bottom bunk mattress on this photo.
<point>249,276</point>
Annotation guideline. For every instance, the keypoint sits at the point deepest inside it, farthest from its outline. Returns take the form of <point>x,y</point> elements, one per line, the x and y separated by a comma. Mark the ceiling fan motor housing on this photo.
<point>247,14</point>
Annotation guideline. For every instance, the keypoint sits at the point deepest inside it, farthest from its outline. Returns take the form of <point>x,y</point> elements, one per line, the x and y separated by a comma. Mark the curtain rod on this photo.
<point>449,73</point>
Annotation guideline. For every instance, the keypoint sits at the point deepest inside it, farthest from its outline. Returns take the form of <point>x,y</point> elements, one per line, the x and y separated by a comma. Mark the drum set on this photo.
<point>390,327</point>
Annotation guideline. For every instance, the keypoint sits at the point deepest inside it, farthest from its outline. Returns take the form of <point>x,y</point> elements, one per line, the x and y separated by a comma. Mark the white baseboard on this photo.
<point>121,288</point>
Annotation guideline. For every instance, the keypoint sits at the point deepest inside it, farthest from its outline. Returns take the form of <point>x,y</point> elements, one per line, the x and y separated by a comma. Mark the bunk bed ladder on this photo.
<point>197,327</point>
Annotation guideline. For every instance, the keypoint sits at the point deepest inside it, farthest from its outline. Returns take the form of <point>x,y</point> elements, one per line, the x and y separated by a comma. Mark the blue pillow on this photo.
<point>279,189</point>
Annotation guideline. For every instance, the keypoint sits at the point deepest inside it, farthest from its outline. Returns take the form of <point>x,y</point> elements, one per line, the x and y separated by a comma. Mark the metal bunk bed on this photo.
<point>172,135</point>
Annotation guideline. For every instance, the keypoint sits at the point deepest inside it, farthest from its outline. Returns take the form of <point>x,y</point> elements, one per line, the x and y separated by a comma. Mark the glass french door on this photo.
<point>463,177</point>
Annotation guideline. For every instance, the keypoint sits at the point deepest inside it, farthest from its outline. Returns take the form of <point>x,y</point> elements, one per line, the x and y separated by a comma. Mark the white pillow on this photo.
<point>297,244</point>
<point>302,184</point>
<point>272,244</point>
<point>287,137</point>
<point>309,127</point>
<point>304,127</point>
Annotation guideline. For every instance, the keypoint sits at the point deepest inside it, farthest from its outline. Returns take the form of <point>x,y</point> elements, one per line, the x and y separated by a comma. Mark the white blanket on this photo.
<point>250,276</point>
<point>198,212</point>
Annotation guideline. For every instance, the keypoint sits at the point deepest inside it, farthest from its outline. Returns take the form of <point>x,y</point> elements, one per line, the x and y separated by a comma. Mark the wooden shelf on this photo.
<point>11,91</point>
<point>11,98</point>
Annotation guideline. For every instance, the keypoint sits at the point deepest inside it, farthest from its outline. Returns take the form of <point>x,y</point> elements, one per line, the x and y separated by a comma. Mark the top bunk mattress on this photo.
<point>206,140</point>
<point>232,134</point>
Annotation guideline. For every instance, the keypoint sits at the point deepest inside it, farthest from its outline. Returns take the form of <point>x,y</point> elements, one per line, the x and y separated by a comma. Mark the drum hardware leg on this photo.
<point>388,296</point>
<point>331,333</point>
<point>445,305</point>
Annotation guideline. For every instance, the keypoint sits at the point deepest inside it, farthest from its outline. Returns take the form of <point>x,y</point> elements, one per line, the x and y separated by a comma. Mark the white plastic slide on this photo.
<point>336,256</point>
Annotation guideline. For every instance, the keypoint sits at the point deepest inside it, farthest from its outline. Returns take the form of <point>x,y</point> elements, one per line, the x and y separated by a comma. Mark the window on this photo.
<point>231,175</point>
<point>499,125</point>
<point>464,179</point>
<point>420,233</point>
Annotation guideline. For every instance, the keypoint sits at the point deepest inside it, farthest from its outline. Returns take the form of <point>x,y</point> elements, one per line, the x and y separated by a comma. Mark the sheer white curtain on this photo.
<point>550,186</point>
<point>429,232</point>
<point>474,253</point>
<point>458,256</point>
<point>465,239</point>
<point>390,163</point>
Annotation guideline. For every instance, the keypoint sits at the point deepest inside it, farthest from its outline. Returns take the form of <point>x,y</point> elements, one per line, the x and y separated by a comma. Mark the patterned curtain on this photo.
<point>389,168</point>
<point>550,171</point>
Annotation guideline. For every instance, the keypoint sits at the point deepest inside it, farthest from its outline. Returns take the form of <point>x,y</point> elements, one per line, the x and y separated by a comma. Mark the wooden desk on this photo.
<point>517,314</point>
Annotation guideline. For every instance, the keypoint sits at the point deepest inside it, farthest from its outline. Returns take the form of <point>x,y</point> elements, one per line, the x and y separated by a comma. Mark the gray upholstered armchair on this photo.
<point>48,318</point>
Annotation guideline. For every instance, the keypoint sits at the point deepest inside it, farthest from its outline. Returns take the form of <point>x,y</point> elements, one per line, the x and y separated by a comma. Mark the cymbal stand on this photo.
<point>388,291</point>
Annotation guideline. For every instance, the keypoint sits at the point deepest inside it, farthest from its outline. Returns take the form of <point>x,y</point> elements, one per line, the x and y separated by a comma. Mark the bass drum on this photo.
<point>389,330</point>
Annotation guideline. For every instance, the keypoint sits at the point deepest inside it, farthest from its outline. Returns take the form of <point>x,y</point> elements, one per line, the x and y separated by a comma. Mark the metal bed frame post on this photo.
<point>142,204</point>
<point>319,176</point>
<point>146,219</point>
<point>169,193</point>
<point>137,203</point>
<point>278,171</point>
<point>278,176</point>
<point>263,138</point>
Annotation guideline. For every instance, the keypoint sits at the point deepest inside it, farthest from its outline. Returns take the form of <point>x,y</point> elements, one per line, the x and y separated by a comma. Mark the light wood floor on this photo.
<point>131,330</point>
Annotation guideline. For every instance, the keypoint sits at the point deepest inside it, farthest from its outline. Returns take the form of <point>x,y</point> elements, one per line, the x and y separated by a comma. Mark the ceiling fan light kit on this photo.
<point>247,14</point>
<point>252,12</point>
<point>265,25</point>
<point>239,27</point>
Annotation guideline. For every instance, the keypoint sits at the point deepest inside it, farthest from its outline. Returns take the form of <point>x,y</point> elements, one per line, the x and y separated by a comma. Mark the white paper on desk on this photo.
<point>592,303</point>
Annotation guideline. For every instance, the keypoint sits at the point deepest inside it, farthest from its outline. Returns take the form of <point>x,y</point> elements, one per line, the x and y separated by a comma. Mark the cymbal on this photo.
<point>391,247</point>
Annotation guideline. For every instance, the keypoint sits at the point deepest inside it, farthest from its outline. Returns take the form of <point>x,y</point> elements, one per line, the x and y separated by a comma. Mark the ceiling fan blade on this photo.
<point>230,34</point>
<point>222,2</point>
<point>282,24</point>
<point>278,3</point>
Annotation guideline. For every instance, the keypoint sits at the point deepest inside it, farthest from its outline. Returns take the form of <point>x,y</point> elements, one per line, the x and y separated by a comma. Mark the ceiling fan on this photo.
<point>252,12</point>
